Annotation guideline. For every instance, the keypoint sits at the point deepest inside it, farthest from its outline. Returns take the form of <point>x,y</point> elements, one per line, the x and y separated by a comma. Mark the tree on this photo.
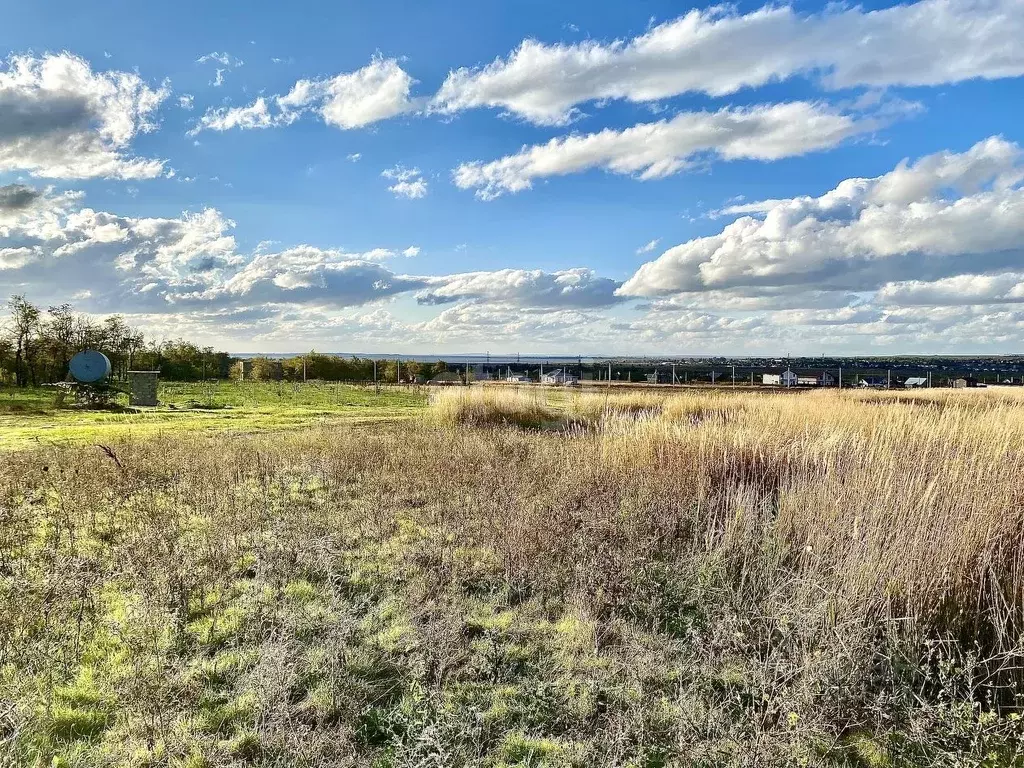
<point>257,369</point>
<point>411,369</point>
<point>6,360</point>
<point>134,342</point>
<point>25,332</point>
<point>115,336</point>
<point>59,337</point>
<point>266,369</point>
<point>36,347</point>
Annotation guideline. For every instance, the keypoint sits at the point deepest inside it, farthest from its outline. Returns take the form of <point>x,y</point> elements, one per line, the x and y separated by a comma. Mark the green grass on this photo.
<point>30,417</point>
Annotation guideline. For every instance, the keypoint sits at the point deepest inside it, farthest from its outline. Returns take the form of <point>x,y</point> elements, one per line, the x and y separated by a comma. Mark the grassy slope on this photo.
<point>711,580</point>
<point>28,417</point>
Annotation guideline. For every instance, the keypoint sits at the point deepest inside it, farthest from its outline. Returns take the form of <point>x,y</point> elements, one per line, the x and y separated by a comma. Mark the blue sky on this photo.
<point>533,177</point>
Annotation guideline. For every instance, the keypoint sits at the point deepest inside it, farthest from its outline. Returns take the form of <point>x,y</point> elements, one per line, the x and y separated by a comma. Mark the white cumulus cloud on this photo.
<point>659,149</point>
<point>1001,288</point>
<point>60,119</point>
<point>719,51</point>
<point>409,182</point>
<point>255,115</point>
<point>579,287</point>
<point>378,91</point>
<point>948,214</point>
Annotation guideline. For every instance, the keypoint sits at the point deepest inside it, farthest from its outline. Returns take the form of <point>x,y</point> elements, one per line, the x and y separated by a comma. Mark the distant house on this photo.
<point>445,378</point>
<point>915,382</point>
<point>826,379</point>
<point>873,382</point>
<point>958,384</point>
<point>517,378</point>
<point>558,377</point>
<point>785,379</point>
<point>807,381</point>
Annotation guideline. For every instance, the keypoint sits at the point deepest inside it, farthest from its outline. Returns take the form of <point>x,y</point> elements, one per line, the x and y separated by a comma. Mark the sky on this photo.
<point>643,178</point>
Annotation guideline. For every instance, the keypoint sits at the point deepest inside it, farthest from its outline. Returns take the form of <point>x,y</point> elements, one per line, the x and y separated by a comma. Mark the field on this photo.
<point>28,417</point>
<point>515,577</point>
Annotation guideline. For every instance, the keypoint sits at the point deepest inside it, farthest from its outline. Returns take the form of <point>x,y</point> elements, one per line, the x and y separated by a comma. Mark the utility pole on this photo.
<point>930,379</point>
<point>888,379</point>
<point>840,377</point>
<point>734,375</point>
<point>673,373</point>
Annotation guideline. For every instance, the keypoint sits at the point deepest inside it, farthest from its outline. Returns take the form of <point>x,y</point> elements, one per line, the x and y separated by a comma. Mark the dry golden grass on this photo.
<point>700,578</point>
<point>491,406</point>
<point>910,502</point>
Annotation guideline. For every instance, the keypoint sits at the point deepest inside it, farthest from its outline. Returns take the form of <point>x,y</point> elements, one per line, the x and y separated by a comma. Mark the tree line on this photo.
<point>36,345</point>
<point>321,367</point>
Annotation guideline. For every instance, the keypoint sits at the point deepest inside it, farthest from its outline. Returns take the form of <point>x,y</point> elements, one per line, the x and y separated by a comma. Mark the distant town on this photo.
<point>868,372</point>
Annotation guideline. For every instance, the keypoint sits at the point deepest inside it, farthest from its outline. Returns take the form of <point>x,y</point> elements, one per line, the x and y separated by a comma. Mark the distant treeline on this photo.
<point>36,345</point>
<point>316,366</point>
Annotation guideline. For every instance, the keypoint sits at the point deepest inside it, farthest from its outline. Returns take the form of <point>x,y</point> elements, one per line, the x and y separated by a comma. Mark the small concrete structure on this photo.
<point>142,386</point>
